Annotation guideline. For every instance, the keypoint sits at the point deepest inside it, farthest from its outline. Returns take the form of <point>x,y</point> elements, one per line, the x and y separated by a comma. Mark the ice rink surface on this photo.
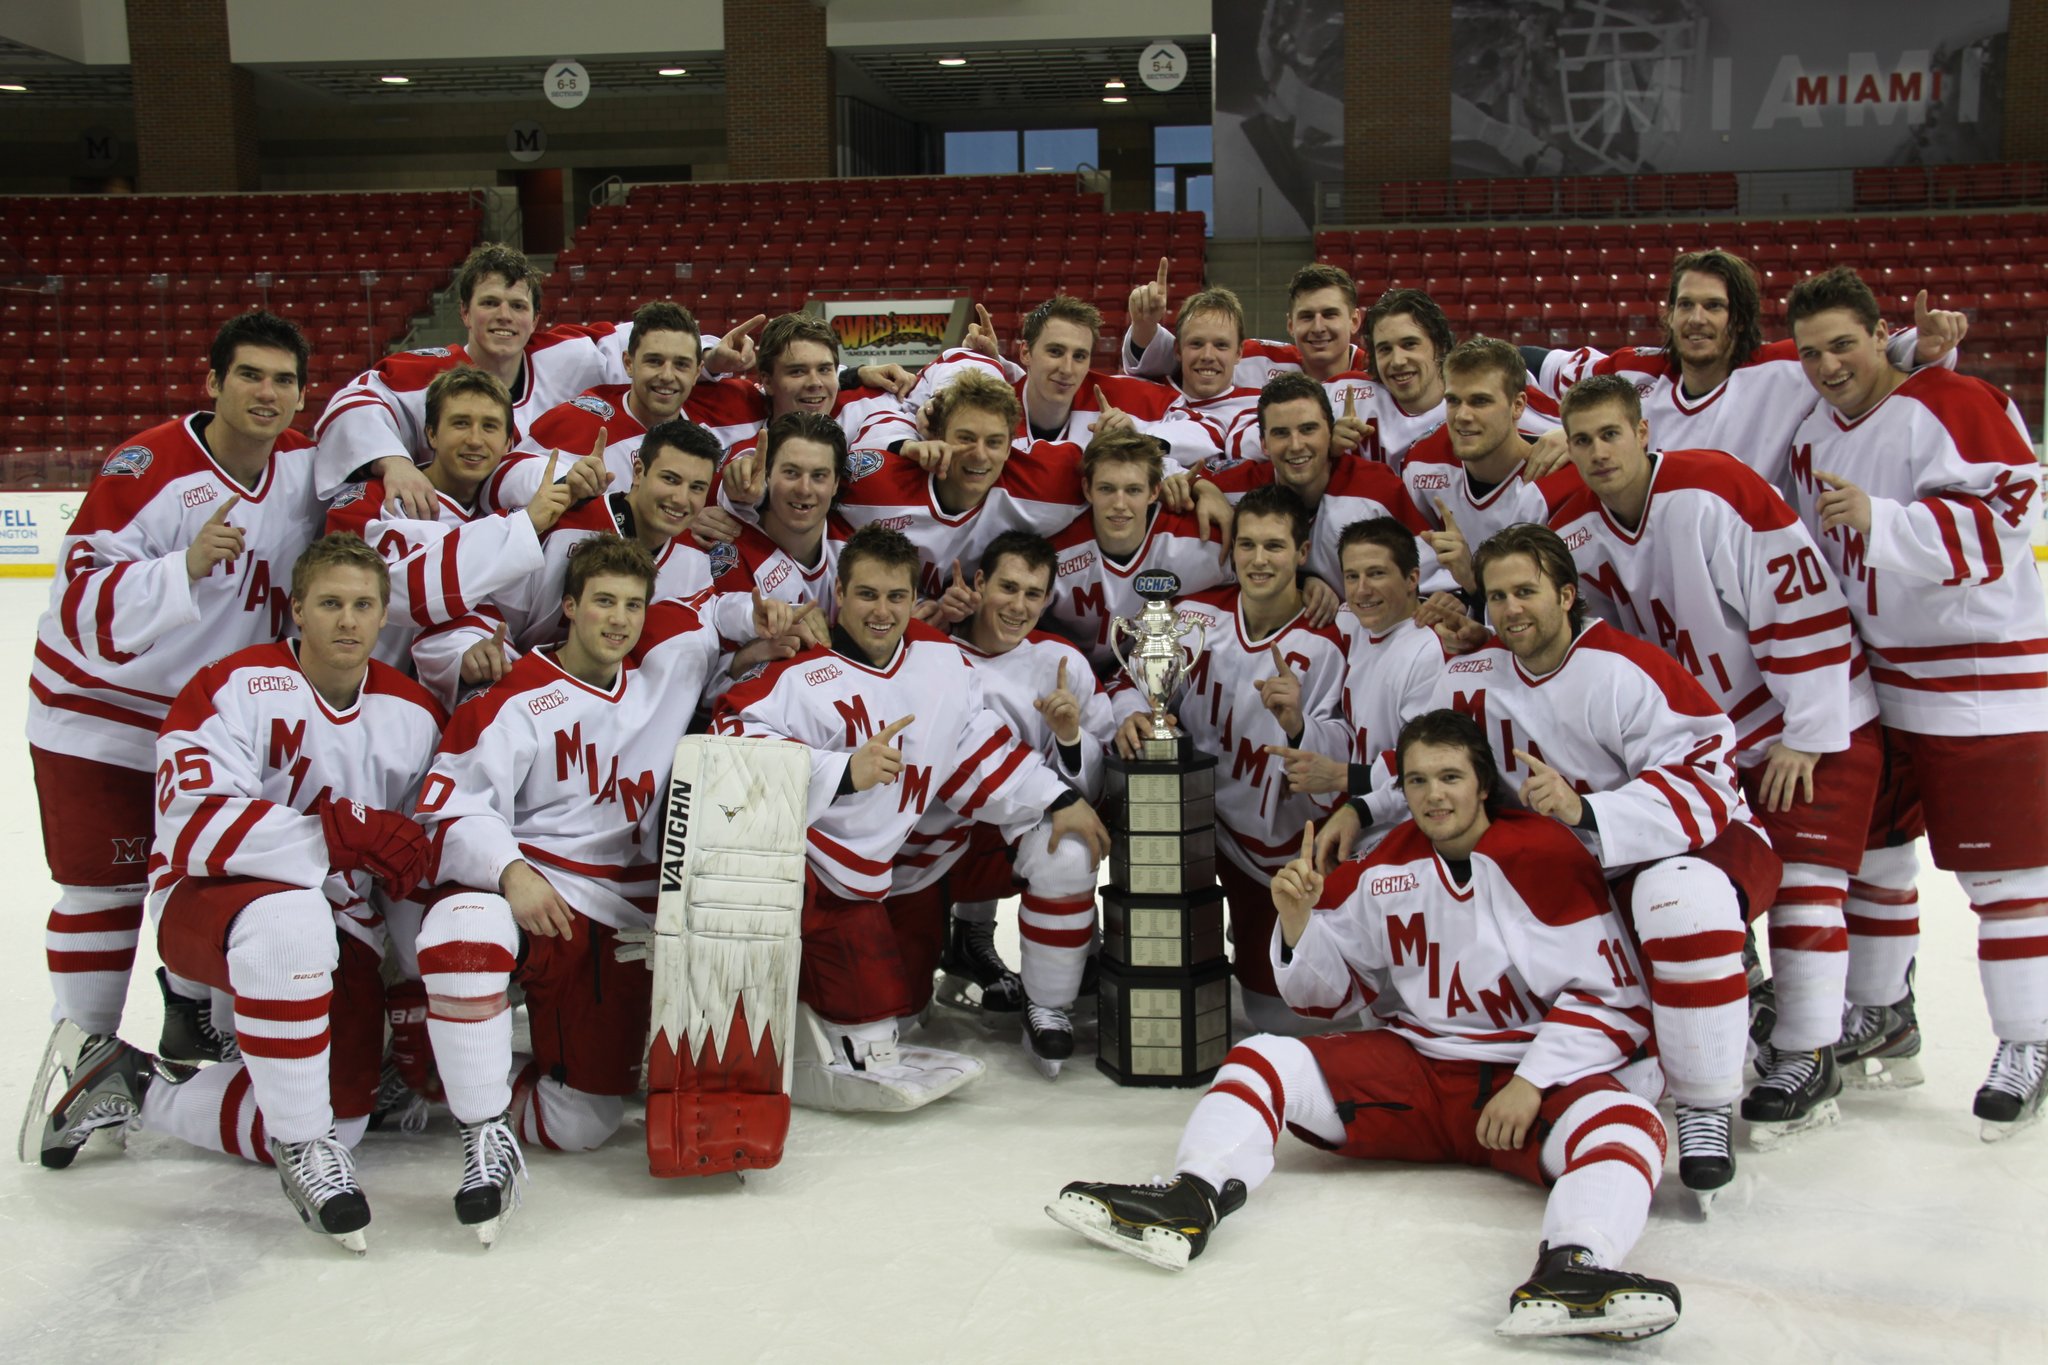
<point>1898,1236</point>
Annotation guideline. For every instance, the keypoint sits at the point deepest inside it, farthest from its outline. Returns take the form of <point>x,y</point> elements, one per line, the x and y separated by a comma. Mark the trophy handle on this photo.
<point>1118,628</point>
<point>1193,651</point>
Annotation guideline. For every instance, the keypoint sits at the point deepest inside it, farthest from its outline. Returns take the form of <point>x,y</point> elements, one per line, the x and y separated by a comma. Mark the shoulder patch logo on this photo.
<point>723,556</point>
<point>592,404</point>
<point>865,462</point>
<point>350,492</point>
<point>129,461</point>
<point>431,350</point>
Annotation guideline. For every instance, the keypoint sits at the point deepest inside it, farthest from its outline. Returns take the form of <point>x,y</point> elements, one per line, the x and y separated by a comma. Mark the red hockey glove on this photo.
<point>383,843</point>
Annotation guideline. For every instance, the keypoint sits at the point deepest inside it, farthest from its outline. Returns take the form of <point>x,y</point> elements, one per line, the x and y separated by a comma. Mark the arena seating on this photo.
<point>107,303</point>
<point>1600,283</point>
<point>1008,241</point>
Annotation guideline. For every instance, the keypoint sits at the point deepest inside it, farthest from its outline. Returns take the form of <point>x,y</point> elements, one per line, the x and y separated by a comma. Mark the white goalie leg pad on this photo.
<point>865,1067</point>
<point>728,923</point>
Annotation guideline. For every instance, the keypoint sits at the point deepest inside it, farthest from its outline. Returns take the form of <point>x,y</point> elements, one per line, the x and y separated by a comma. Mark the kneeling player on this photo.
<point>1543,1076</point>
<point>282,769</point>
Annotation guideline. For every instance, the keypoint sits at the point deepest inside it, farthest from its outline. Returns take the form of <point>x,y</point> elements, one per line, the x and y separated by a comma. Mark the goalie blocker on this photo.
<point>725,954</point>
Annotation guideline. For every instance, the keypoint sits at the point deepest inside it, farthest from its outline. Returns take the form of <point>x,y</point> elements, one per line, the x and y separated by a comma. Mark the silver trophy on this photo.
<point>1158,661</point>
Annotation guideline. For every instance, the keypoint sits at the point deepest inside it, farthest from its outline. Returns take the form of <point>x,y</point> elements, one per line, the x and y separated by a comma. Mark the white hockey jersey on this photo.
<point>127,627</point>
<point>569,777</point>
<point>1722,576</point>
<point>249,752</point>
<point>1943,589</point>
<point>737,411</point>
<point>1157,410</point>
<point>1433,473</point>
<point>1089,588</point>
<point>1358,490</point>
<point>957,752</point>
<point>755,563</point>
<point>572,428</point>
<point>1258,816</point>
<point>1388,679</point>
<point>1527,963</point>
<point>383,411</point>
<point>1391,431</point>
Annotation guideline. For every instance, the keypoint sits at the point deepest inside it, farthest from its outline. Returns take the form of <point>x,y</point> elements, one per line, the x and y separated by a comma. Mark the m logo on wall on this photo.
<point>1597,87</point>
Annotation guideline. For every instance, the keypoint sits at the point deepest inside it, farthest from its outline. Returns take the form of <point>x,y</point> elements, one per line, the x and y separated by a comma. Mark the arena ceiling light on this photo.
<point>952,61</point>
<point>673,71</point>
<point>1112,84</point>
<point>1116,99</point>
<point>14,89</point>
<point>396,80</point>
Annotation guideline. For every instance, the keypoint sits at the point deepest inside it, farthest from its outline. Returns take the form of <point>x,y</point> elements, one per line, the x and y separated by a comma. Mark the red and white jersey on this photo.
<point>1752,414</point>
<point>569,777</point>
<point>1434,474</point>
<point>1391,431</point>
<point>440,569</point>
<point>1639,740</point>
<point>1089,587</point>
<point>127,627</point>
<point>572,429</point>
<point>1722,576</point>
<point>1258,362</point>
<point>1943,588</point>
<point>249,752</point>
<point>1232,414</point>
<point>383,411</point>
<point>957,752</point>
<point>1158,410</point>
<point>1258,816</point>
<point>1388,679</point>
<point>532,608</point>
<point>1358,490</point>
<point>737,411</point>
<point>1039,491</point>
<point>1526,963</point>
<point>754,563</point>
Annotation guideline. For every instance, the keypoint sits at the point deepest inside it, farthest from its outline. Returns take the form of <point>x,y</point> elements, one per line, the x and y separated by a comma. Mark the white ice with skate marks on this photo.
<point>1897,1236</point>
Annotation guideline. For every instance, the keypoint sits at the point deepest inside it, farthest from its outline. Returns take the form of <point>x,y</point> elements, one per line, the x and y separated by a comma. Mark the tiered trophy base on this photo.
<point>1163,1028</point>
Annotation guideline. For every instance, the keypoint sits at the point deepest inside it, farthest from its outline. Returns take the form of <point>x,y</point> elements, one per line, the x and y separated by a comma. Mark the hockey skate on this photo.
<point>53,1075</point>
<point>110,1079</point>
<point>1880,1047</point>
<point>492,1169</point>
<point>1763,1018</point>
<point>1706,1161</point>
<point>1572,1296</point>
<point>319,1177</point>
<point>1796,1095</point>
<point>1165,1223</point>
<point>189,1037</point>
<point>397,1103</point>
<point>973,976</point>
<point>2010,1098</point>
<point>1048,1038</point>
<point>865,1067</point>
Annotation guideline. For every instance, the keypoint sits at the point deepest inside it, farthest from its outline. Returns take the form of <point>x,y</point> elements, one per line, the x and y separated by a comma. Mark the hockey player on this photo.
<point>1265,678</point>
<point>1540,1074</point>
<point>1041,687</point>
<point>1323,320</point>
<point>894,718</point>
<point>1061,399</point>
<point>1126,531</point>
<point>1610,736</point>
<point>1469,478</point>
<point>180,552</point>
<point>1714,349</point>
<point>1208,345</point>
<point>283,771</point>
<point>797,370</point>
<point>547,791</point>
<point>1692,551</point>
<point>374,427</point>
<point>1392,662</point>
<point>789,547</point>
<point>1920,490</point>
<point>1296,425</point>
<point>662,359</point>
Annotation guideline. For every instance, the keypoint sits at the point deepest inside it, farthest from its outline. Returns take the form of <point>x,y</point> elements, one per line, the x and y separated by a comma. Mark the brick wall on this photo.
<point>195,111</point>
<point>1397,95</point>
<point>2026,82</point>
<point>778,90</point>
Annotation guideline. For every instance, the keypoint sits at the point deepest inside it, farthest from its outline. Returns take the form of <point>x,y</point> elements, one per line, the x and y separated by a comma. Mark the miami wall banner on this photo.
<point>1279,120</point>
<point>909,332</point>
<point>1618,87</point>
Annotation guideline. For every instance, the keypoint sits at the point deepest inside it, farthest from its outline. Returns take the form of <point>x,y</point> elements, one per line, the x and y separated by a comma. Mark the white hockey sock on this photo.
<point>550,1114</point>
<point>1606,1154</point>
<point>2012,949</point>
<point>1809,956</point>
<point>1055,932</point>
<point>1690,926</point>
<point>468,950</point>
<point>1265,1082</point>
<point>975,912</point>
<point>1883,917</point>
<point>215,1109</point>
<point>282,953</point>
<point>89,945</point>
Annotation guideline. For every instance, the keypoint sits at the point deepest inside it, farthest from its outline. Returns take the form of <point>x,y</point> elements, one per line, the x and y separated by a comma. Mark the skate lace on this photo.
<point>1702,1132</point>
<point>2017,1068</point>
<point>1790,1071</point>
<point>491,1157</point>
<point>104,1112</point>
<point>225,1043</point>
<point>322,1169</point>
<point>1045,1017</point>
